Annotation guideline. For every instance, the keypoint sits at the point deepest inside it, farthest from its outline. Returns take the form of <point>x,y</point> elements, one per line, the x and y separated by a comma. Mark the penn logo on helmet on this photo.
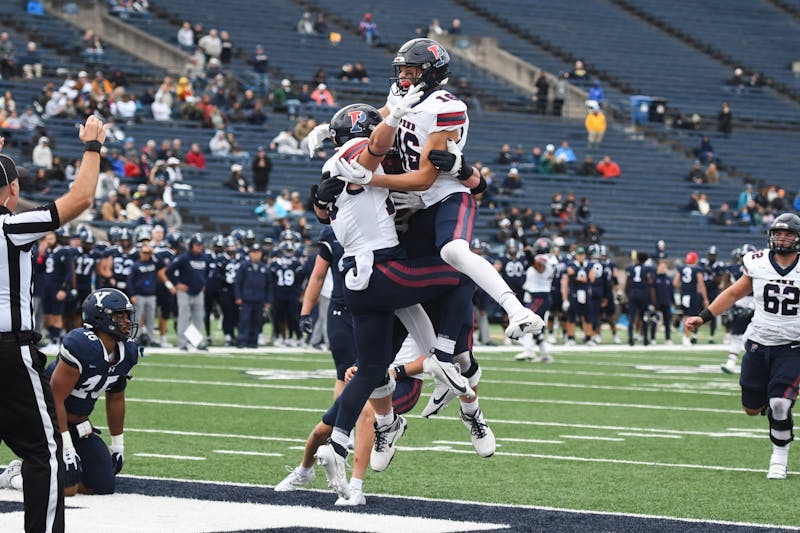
<point>356,117</point>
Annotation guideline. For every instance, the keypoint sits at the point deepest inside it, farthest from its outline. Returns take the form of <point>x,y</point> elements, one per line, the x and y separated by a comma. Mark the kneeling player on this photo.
<point>95,358</point>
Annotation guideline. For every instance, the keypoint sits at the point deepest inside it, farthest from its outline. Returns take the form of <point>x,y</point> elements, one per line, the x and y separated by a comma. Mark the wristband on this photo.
<point>401,371</point>
<point>373,154</point>
<point>84,429</point>
<point>706,315</point>
<point>118,440</point>
<point>67,440</point>
<point>92,146</point>
<point>169,285</point>
<point>392,121</point>
<point>480,187</point>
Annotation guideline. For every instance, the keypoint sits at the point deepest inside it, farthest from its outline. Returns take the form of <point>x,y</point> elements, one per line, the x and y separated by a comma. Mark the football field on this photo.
<point>634,432</point>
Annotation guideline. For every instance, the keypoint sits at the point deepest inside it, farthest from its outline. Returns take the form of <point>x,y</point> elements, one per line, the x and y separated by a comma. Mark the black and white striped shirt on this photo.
<point>18,235</point>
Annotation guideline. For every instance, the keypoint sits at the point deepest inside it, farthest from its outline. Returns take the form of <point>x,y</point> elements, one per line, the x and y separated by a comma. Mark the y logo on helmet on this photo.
<point>100,296</point>
<point>355,118</point>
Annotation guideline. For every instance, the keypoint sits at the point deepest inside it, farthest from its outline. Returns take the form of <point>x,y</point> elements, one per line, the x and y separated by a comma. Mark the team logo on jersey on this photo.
<point>355,118</point>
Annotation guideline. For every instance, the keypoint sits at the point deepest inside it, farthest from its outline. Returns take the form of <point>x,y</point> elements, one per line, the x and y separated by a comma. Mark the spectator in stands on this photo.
<point>745,217</point>
<point>737,81</point>
<point>185,36</point>
<point>285,99</point>
<point>778,202</point>
<point>195,157</point>
<point>579,71</point>
<point>236,180</point>
<point>562,84</point>
<point>588,167</point>
<point>596,93</point>
<point>583,214</point>
<point>42,155</point>
<point>368,30</point>
<point>196,67</point>
<point>712,173</point>
<point>705,151</point>
<point>724,216</point>
<point>262,166</point>
<point>100,85</point>
<point>305,26</point>
<point>219,145</point>
<point>285,143</point>
<point>124,109</point>
<point>260,63</point>
<point>236,150</point>
<point>697,175</point>
<point>518,157</point>
<point>455,27</point>
<point>118,79</point>
<point>608,168</point>
<point>184,91</point>
<point>31,62</point>
<point>745,197</point>
<point>693,205</point>
<point>173,170</point>
<point>542,91</point>
<point>504,158</point>
<point>111,211</point>
<point>169,215</point>
<point>796,202</point>
<point>592,233</point>
<point>547,163</point>
<point>535,157</point>
<point>91,47</point>
<point>702,204</point>
<point>725,120</point>
<point>320,25</point>
<point>226,54</point>
<point>41,184</point>
<point>435,29</point>
<point>595,124</point>
<point>8,58</point>
<point>177,148</point>
<point>322,96</point>
<point>211,44</point>
<point>269,211</point>
<point>13,122</point>
<point>512,185</point>
<point>566,156</point>
<point>133,209</point>
<point>161,109</point>
<point>35,7</point>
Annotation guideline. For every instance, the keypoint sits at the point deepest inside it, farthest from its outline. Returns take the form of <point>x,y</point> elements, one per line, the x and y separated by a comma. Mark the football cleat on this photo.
<point>296,479</point>
<point>482,435</point>
<point>449,374</point>
<point>334,465</point>
<point>524,356</point>
<point>777,467</point>
<point>385,439</point>
<point>440,397</point>
<point>11,478</point>
<point>356,498</point>
<point>729,367</point>
<point>546,358</point>
<point>526,321</point>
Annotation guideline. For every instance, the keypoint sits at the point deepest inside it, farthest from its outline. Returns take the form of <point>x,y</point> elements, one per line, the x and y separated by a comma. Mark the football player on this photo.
<point>286,284</point>
<point>665,297</point>
<point>58,273</point>
<point>576,295</point>
<point>96,358</point>
<point>538,281</point>
<point>512,266</point>
<point>689,280</point>
<point>771,363</point>
<point>640,290</point>
<point>741,313</point>
<point>713,272</point>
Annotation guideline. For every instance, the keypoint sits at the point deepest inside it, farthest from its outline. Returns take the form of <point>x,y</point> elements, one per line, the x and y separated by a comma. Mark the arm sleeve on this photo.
<point>31,225</point>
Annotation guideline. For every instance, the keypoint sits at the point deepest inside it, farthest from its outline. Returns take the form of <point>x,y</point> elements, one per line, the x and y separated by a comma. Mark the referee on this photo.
<point>27,414</point>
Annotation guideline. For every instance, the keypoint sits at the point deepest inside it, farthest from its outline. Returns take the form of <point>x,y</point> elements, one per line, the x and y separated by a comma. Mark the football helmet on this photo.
<point>286,248</point>
<point>352,121</point>
<point>113,234</point>
<point>101,313</point>
<point>144,233</point>
<point>426,54</point>
<point>543,246</point>
<point>194,239</point>
<point>512,248</point>
<point>62,234</point>
<point>230,244</point>
<point>219,243</point>
<point>175,240</point>
<point>712,250</point>
<point>594,251</point>
<point>125,235</point>
<point>786,222</point>
<point>691,258</point>
<point>249,237</point>
<point>267,244</point>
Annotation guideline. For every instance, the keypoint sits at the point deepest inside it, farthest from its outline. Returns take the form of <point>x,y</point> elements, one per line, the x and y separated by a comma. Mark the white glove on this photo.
<point>565,305</point>
<point>408,101</point>
<point>316,138</point>
<point>407,200</point>
<point>352,172</point>
<point>117,450</point>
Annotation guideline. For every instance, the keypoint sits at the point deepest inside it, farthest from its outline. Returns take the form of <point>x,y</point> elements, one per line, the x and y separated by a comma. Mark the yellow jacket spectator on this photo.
<point>595,125</point>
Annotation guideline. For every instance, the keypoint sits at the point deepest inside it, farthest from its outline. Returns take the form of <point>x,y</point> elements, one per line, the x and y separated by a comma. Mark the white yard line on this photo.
<point>649,436</point>
<point>245,452</point>
<point>233,384</point>
<point>167,456</point>
<point>592,437</point>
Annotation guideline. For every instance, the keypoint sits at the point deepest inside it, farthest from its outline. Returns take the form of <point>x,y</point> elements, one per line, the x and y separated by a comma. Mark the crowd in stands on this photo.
<point>754,209</point>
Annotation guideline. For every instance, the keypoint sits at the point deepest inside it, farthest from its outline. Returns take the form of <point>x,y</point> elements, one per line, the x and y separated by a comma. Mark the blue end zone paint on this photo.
<point>520,519</point>
<point>11,507</point>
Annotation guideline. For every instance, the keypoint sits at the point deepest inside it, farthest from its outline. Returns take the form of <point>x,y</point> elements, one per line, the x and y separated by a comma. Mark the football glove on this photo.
<point>404,106</point>
<point>451,161</point>
<point>352,172</point>
<point>72,461</point>
<point>306,324</point>
<point>565,305</point>
<point>407,200</point>
<point>316,137</point>
<point>329,188</point>
<point>117,450</point>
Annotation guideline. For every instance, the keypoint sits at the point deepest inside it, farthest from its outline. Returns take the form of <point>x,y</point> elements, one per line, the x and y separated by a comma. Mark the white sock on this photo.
<point>305,471</point>
<point>458,255</point>
<point>384,420</point>
<point>469,409</point>
<point>781,451</point>
<point>356,484</point>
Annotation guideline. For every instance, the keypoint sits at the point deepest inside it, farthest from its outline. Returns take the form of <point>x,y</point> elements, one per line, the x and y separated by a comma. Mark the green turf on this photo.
<point>660,434</point>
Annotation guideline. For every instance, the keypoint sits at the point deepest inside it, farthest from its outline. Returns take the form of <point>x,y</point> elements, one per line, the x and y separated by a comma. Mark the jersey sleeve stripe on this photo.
<point>69,359</point>
<point>355,150</point>
<point>31,225</point>
<point>451,119</point>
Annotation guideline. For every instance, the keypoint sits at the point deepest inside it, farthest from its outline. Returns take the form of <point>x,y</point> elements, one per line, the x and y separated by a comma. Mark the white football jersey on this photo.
<point>438,111</point>
<point>363,220</point>
<point>408,353</point>
<point>541,281</point>
<point>777,300</point>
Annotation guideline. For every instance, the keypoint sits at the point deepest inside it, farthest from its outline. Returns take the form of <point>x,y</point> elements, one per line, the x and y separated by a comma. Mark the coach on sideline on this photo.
<point>27,413</point>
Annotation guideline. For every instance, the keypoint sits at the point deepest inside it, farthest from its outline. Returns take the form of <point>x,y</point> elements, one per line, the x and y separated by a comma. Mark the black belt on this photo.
<point>20,337</point>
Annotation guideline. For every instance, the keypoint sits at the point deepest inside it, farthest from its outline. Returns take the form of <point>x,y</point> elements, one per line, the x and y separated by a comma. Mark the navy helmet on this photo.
<point>100,313</point>
<point>431,58</point>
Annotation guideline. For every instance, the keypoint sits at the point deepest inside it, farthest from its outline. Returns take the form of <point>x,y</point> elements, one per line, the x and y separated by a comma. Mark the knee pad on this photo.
<point>781,423</point>
<point>469,366</point>
<point>451,253</point>
<point>385,389</point>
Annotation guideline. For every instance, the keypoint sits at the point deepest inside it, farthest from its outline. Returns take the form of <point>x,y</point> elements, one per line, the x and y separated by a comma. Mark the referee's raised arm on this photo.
<point>81,196</point>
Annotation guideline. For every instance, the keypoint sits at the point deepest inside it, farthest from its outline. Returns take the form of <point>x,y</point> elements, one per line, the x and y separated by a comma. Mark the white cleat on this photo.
<point>449,374</point>
<point>384,447</point>
<point>546,358</point>
<point>334,465</point>
<point>356,498</point>
<point>11,478</point>
<point>524,356</point>
<point>296,479</point>
<point>482,435</point>
<point>729,367</point>
<point>777,468</point>
<point>440,397</point>
<point>617,340</point>
<point>526,321</point>
<point>551,339</point>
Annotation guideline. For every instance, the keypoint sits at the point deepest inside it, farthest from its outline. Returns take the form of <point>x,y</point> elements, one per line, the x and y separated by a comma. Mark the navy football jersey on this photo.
<point>58,268</point>
<point>82,349</point>
<point>332,251</point>
<point>640,276</point>
<point>665,293</point>
<point>84,269</point>
<point>689,279</point>
<point>287,278</point>
<point>123,261</point>
<point>579,286</point>
<point>600,281</point>
<point>512,269</point>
